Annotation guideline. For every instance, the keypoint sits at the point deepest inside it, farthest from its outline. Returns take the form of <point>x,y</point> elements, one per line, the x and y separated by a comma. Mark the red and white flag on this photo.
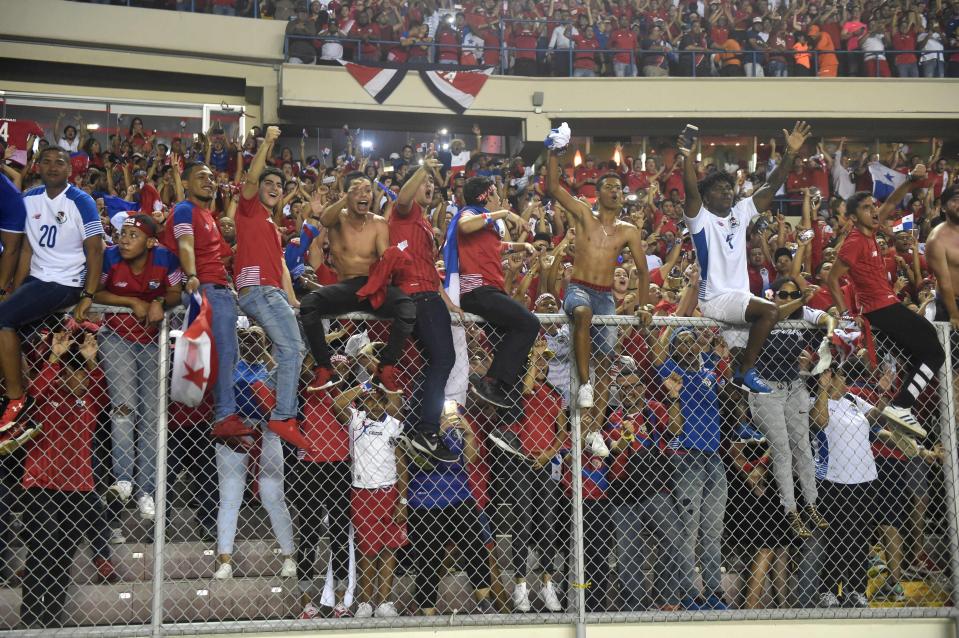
<point>377,81</point>
<point>194,359</point>
<point>456,89</point>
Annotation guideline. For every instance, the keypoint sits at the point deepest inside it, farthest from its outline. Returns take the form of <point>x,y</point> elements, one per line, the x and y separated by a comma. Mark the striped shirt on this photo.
<point>259,253</point>
<point>480,256</point>
<point>56,229</point>
<point>209,249</point>
<point>417,233</point>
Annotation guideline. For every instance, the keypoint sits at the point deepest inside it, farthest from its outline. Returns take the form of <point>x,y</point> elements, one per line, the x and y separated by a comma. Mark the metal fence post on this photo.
<point>950,462</point>
<point>576,471</point>
<point>159,524</point>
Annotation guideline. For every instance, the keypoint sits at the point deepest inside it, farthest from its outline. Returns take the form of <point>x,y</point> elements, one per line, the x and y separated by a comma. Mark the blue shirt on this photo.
<point>699,406</point>
<point>245,375</point>
<point>13,214</point>
<point>447,484</point>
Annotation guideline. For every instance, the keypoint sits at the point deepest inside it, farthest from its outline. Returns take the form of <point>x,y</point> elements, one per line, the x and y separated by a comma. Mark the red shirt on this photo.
<point>584,172</point>
<point>624,41</point>
<point>448,40</point>
<point>370,52</point>
<point>329,437</point>
<point>480,256</point>
<point>149,199</point>
<point>760,277</point>
<point>62,457</point>
<point>905,42</point>
<point>537,430</point>
<point>413,228</point>
<point>162,269</point>
<point>819,177</point>
<point>208,245</point>
<point>795,182</point>
<point>525,40</point>
<point>867,271</point>
<point>584,54</point>
<point>259,255</point>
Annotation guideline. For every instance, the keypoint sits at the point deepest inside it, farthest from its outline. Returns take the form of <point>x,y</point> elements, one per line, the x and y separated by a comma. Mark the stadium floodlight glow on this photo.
<point>446,146</point>
<point>421,162</point>
<point>443,131</point>
<point>366,145</point>
<point>93,126</point>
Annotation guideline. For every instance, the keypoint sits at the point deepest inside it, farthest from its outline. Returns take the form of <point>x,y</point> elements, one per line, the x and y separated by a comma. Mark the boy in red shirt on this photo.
<point>914,336</point>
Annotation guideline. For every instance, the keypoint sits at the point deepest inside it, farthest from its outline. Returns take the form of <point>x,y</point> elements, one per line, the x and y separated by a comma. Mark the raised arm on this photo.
<point>404,199</point>
<point>763,197</point>
<point>694,201</point>
<point>573,206</point>
<point>634,241</point>
<point>252,184</point>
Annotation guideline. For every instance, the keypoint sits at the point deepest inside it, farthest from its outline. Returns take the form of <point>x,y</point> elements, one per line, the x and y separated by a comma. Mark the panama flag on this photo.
<point>456,89</point>
<point>379,82</point>
<point>906,223</point>
<point>884,180</point>
<point>194,356</point>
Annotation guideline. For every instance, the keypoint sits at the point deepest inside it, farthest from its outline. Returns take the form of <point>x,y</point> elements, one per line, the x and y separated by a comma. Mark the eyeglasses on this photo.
<point>785,294</point>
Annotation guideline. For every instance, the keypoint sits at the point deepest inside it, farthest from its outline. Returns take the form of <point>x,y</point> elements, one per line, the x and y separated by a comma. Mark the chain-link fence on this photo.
<point>676,496</point>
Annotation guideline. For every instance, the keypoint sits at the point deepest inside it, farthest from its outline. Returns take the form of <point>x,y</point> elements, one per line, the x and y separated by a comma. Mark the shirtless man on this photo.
<point>358,238</point>
<point>599,241</point>
<point>942,251</point>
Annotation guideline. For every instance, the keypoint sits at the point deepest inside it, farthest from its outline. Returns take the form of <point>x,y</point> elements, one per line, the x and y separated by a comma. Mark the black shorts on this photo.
<point>943,315</point>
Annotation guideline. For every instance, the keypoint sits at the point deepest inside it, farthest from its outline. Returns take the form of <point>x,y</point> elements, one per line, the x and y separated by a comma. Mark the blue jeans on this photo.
<point>223,304</point>
<point>700,489</point>
<point>653,519</point>
<point>777,69</point>
<point>34,300</point>
<point>601,303</point>
<point>908,70</point>
<point>584,73</point>
<point>231,467</point>
<point>434,336</point>
<point>624,69</point>
<point>270,308</point>
<point>132,371</point>
<point>933,69</point>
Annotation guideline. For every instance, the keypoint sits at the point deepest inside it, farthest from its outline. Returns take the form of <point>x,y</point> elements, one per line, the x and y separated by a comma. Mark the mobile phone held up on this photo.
<point>689,136</point>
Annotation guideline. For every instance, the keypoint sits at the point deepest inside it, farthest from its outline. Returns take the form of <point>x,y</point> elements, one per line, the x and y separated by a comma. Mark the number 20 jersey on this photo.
<point>56,229</point>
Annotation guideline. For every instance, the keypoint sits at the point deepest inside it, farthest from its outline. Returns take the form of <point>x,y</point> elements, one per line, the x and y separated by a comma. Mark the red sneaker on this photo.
<point>289,431</point>
<point>265,395</point>
<point>386,379</point>
<point>105,572</point>
<point>231,426</point>
<point>15,411</point>
<point>323,378</point>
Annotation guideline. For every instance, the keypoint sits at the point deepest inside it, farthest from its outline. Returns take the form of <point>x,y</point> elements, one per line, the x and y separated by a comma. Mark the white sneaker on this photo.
<point>120,491</point>
<point>117,537</point>
<point>148,510</point>
<point>903,419</point>
<point>856,599</point>
<point>596,446</point>
<point>289,568</point>
<point>521,597</point>
<point>386,610</point>
<point>584,398</point>
<point>364,610</point>
<point>828,600</point>
<point>224,571</point>
<point>548,594</point>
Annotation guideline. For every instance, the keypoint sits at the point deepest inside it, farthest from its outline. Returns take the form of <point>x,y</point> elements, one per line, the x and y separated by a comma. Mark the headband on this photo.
<point>133,221</point>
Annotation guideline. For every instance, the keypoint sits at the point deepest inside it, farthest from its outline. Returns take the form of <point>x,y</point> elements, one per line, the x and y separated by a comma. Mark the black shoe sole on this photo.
<point>487,399</point>
<point>431,453</point>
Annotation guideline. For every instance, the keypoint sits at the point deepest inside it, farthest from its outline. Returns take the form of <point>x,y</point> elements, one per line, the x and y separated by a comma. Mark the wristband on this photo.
<point>189,277</point>
<point>86,295</point>
<point>489,219</point>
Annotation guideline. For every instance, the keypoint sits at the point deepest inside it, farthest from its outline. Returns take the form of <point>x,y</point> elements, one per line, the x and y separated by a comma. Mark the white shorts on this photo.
<point>727,307</point>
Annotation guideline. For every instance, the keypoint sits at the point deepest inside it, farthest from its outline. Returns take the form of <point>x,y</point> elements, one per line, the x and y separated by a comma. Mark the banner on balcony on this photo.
<point>379,82</point>
<point>456,89</point>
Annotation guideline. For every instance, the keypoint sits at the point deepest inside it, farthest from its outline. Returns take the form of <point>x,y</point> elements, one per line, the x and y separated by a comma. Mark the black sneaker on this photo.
<point>487,390</point>
<point>432,445</point>
<point>508,442</point>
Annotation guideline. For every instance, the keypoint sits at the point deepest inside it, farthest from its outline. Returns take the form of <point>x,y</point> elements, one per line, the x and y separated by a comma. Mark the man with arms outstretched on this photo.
<point>600,239</point>
<point>718,230</point>
<point>358,239</point>
<point>915,338</point>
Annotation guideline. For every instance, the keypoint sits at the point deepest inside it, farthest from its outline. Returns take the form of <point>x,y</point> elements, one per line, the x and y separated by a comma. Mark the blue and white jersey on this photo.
<point>721,248</point>
<point>12,213</point>
<point>56,229</point>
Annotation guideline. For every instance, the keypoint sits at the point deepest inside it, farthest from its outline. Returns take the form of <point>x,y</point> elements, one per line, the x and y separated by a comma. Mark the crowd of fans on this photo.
<point>677,458</point>
<point>622,38</point>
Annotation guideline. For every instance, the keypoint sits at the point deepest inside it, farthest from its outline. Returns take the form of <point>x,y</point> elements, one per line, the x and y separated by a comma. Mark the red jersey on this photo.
<point>867,271</point>
<point>795,182</point>
<point>905,42</point>
<point>329,437</point>
<point>537,430</point>
<point>150,201</point>
<point>448,40</point>
<point>259,254</point>
<point>15,133</point>
<point>819,177</point>
<point>583,172</point>
<point>370,52</point>
<point>162,269</point>
<point>584,54</point>
<point>525,42</point>
<point>481,256</point>
<point>760,278</point>
<point>624,42</point>
<point>62,457</point>
<point>416,232</point>
<point>209,249</point>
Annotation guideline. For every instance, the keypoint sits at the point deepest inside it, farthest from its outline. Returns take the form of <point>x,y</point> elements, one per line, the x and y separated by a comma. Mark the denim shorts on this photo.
<point>34,300</point>
<point>601,302</point>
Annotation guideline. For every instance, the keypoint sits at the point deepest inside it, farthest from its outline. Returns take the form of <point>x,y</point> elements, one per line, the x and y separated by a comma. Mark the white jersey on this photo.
<point>56,229</point>
<point>372,449</point>
<point>721,248</point>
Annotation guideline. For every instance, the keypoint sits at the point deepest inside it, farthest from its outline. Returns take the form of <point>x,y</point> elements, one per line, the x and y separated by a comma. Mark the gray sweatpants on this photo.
<point>783,416</point>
